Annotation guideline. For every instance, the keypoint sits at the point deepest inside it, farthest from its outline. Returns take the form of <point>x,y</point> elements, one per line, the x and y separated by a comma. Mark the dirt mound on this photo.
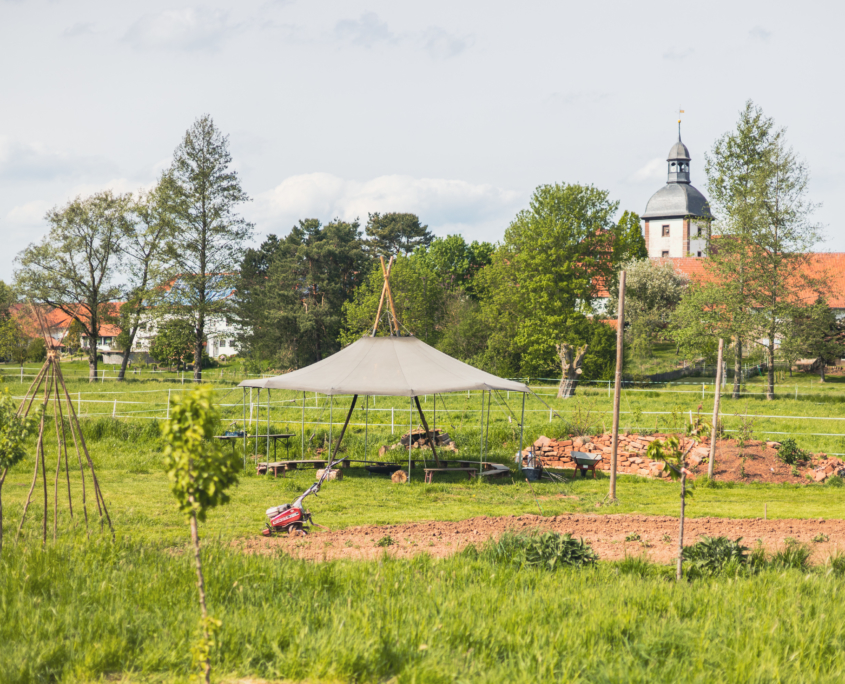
<point>612,536</point>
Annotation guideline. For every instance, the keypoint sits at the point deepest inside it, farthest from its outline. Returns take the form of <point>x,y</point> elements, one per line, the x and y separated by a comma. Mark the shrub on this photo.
<point>714,554</point>
<point>836,563</point>
<point>548,550</point>
<point>634,565</point>
<point>790,453</point>
<point>36,351</point>
<point>793,556</point>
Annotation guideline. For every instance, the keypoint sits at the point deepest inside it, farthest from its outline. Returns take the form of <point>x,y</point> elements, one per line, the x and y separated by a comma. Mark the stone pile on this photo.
<point>828,467</point>
<point>632,460</point>
<point>419,440</point>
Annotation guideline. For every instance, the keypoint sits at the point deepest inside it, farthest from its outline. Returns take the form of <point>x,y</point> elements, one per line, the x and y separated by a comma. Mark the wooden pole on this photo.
<point>432,438</point>
<point>679,571</point>
<point>390,297</point>
<point>620,330</point>
<point>37,465</point>
<point>381,299</point>
<point>714,432</point>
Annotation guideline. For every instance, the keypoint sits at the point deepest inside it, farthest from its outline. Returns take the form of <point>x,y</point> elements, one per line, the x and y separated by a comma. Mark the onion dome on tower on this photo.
<point>671,228</point>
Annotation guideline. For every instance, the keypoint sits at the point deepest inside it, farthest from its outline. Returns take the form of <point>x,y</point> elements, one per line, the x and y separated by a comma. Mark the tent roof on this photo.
<point>388,366</point>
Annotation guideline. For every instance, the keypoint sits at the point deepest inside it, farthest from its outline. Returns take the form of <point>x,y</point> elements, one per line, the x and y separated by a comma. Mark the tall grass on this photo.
<point>78,612</point>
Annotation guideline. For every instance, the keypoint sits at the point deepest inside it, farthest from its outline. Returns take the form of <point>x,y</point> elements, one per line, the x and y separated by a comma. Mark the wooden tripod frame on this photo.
<point>52,381</point>
<point>392,319</point>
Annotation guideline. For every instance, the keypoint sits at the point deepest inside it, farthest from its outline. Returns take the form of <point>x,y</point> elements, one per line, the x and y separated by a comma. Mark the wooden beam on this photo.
<point>431,438</point>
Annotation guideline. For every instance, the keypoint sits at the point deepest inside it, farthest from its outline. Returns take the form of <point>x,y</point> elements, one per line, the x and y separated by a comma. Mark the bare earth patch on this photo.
<point>658,536</point>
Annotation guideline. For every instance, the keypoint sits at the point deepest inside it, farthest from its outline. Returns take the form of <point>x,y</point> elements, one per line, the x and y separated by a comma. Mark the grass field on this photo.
<point>82,611</point>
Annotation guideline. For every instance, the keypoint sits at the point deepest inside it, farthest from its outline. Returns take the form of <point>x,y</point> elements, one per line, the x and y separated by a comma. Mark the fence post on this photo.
<point>21,374</point>
<point>79,403</point>
<point>392,423</point>
<point>702,390</point>
<point>550,415</point>
<point>168,404</point>
<point>114,409</point>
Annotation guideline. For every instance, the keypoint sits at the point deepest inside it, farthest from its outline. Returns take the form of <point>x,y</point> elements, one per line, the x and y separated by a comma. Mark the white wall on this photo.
<point>674,244</point>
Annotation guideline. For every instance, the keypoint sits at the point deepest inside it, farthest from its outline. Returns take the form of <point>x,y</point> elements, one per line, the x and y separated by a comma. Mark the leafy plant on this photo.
<point>713,554</point>
<point>820,538</point>
<point>386,540</point>
<point>745,431</point>
<point>199,473</point>
<point>633,536</point>
<point>790,453</point>
<point>793,555</point>
<point>634,565</point>
<point>547,550</point>
<point>836,563</point>
<point>14,430</point>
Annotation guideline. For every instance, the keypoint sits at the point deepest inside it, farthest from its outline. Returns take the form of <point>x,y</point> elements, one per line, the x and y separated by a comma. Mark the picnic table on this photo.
<point>285,436</point>
<point>284,466</point>
<point>429,472</point>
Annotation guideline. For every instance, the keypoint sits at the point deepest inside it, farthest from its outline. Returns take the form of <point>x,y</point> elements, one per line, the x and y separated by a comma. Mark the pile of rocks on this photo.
<point>828,467</point>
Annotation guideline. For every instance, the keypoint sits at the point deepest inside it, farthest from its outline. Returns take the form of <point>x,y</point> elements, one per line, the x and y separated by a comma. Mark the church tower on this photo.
<point>677,216</point>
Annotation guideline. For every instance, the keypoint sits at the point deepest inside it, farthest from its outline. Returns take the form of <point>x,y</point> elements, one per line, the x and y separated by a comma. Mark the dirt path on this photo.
<point>658,536</point>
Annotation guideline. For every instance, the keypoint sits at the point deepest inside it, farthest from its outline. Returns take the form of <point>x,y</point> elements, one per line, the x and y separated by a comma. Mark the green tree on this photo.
<point>143,246</point>
<point>759,259</point>
<point>200,193</point>
<point>75,265</point>
<point>652,292</point>
<point>394,233</point>
<point>14,342</point>
<point>290,308</point>
<point>418,293</point>
<point>464,333</point>
<point>546,276</point>
<point>174,342</point>
<point>813,332</point>
<point>14,430</point>
<point>200,474</point>
<point>455,262</point>
<point>7,298</point>
<point>630,242</point>
<point>37,350</point>
<point>707,312</point>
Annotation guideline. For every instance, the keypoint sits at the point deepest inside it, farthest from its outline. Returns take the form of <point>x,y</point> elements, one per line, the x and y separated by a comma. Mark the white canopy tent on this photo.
<point>390,366</point>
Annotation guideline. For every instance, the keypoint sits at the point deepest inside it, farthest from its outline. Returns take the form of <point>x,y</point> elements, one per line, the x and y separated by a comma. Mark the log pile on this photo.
<point>419,440</point>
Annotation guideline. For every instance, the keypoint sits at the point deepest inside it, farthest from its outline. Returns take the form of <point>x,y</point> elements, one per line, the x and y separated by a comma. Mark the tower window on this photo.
<point>665,254</point>
<point>666,231</point>
<point>699,254</point>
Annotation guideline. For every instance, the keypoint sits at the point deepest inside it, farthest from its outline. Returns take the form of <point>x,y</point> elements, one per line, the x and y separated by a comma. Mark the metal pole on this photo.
<point>302,455</point>
<point>168,404</point>
<point>620,330</point>
<point>481,441</point>
<point>257,406</point>
<point>331,423</point>
<point>714,431</point>
<point>268,427</point>
<point>521,430</point>
<point>366,425</point>
<point>410,430</point>
<point>392,422</point>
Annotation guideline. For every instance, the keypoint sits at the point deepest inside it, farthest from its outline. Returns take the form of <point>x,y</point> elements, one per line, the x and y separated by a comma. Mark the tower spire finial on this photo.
<point>680,111</point>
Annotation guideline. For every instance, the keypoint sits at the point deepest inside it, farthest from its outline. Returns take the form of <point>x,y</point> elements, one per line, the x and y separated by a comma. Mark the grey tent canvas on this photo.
<point>388,366</point>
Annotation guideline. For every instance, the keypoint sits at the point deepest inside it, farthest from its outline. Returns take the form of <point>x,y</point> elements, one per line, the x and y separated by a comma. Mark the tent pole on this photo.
<point>410,435</point>
<point>302,454</point>
<point>432,438</point>
<point>257,406</point>
<point>521,431</point>
<point>481,437</point>
<point>268,426</point>
<point>331,423</point>
<point>333,457</point>
<point>366,425</point>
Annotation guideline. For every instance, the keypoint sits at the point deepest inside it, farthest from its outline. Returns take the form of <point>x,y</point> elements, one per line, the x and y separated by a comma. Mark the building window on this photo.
<point>699,254</point>
<point>665,254</point>
<point>666,231</point>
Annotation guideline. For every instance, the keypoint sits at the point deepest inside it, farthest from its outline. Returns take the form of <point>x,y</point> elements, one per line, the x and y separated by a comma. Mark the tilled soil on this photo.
<point>607,534</point>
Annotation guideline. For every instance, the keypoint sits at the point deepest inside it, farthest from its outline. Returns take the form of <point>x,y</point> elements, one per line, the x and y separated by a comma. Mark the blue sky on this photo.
<point>453,110</point>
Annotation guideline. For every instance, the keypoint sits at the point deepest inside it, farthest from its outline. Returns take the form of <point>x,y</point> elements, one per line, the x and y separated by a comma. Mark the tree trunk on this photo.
<point>195,538</point>
<point>770,372</point>
<point>679,573</point>
<point>92,359</point>
<point>200,330</point>
<point>737,370</point>
<point>124,362</point>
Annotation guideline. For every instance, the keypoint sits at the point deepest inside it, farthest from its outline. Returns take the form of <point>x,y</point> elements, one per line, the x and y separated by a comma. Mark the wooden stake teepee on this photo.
<point>49,384</point>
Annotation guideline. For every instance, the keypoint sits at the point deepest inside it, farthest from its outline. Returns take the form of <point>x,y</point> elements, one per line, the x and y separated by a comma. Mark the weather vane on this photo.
<point>680,111</point>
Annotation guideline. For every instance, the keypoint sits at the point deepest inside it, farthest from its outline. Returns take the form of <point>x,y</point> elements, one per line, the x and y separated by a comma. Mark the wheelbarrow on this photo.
<point>585,462</point>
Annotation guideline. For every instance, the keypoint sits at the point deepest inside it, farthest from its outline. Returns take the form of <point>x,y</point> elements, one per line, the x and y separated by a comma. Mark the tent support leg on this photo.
<point>302,429</point>
<point>410,436</point>
<point>366,426</point>
<point>521,431</point>
<point>268,427</point>
<point>432,438</point>
<point>333,457</point>
<point>331,423</point>
<point>481,435</point>
<point>257,406</point>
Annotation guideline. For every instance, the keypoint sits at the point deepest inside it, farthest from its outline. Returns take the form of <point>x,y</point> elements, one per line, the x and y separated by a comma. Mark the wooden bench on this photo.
<point>284,466</point>
<point>429,472</point>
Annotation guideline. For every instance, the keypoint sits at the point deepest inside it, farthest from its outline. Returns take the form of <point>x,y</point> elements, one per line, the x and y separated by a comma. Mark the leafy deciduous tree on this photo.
<point>394,233</point>
<point>14,430</point>
<point>174,342</point>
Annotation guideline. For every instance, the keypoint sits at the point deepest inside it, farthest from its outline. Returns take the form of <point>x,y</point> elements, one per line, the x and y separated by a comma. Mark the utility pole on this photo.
<point>620,330</point>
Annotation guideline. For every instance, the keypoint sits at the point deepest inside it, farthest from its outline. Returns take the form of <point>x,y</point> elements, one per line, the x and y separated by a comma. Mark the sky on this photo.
<point>452,110</point>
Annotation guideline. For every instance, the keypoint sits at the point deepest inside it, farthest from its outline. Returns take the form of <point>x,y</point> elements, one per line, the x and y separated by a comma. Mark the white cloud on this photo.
<point>192,28</point>
<point>29,214</point>
<point>21,161</point>
<point>674,55</point>
<point>366,31</point>
<point>441,44</point>
<point>580,98</point>
<point>80,28</point>
<point>445,205</point>
<point>652,171</point>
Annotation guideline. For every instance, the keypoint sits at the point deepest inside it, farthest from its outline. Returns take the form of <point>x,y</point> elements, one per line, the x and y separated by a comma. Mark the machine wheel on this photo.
<point>297,530</point>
